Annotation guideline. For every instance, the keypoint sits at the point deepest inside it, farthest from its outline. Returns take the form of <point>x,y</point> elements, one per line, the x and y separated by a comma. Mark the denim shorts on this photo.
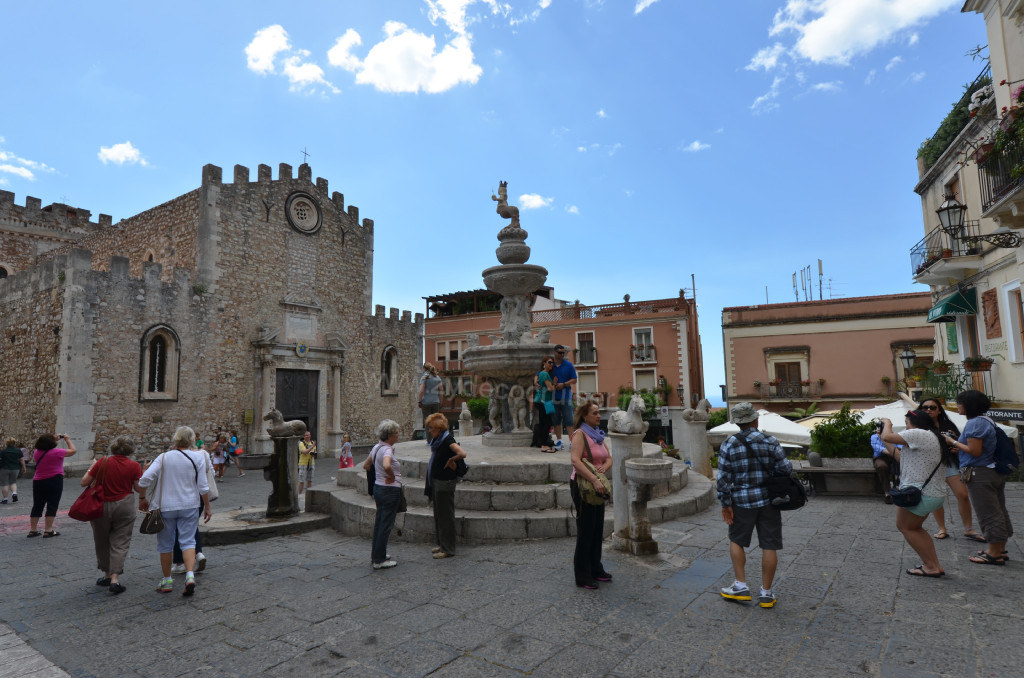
<point>562,415</point>
<point>927,505</point>
<point>185,521</point>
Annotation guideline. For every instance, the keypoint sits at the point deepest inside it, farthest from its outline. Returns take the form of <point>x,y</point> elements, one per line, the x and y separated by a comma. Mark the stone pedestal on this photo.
<point>623,446</point>
<point>642,475</point>
<point>283,473</point>
<point>693,445</point>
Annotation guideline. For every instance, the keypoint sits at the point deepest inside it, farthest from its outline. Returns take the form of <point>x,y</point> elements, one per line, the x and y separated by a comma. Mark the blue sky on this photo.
<point>643,141</point>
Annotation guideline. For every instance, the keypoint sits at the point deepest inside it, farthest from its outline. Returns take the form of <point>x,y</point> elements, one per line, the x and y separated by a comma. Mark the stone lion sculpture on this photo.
<point>465,421</point>
<point>279,428</point>
<point>700,413</point>
<point>632,420</point>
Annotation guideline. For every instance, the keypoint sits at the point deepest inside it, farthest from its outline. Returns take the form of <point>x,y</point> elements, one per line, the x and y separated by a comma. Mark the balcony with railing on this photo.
<point>449,365</point>
<point>998,183</point>
<point>586,355</point>
<point>643,354</point>
<point>938,257</point>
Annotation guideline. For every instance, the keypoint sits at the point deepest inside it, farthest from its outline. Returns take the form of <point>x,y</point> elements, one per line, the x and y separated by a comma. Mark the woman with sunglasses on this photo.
<point>919,459</point>
<point>541,401</point>
<point>933,408</point>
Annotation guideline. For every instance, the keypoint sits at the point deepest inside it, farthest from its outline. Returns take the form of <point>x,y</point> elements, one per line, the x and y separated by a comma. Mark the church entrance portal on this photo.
<point>297,397</point>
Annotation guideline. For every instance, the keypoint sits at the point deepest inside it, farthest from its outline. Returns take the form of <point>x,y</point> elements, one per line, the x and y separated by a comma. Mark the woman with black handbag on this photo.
<point>589,458</point>
<point>920,491</point>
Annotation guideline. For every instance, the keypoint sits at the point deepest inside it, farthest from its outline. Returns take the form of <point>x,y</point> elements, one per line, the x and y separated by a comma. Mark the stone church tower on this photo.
<point>207,310</point>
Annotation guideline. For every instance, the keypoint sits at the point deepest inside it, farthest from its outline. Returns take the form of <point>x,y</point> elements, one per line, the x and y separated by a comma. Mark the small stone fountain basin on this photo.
<point>253,462</point>
<point>648,471</point>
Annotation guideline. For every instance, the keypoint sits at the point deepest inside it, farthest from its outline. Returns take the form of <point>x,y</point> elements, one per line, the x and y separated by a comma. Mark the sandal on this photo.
<point>983,558</point>
<point>1004,556</point>
<point>51,533</point>
<point>919,572</point>
<point>941,534</point>
<point>34,533</point>
<point>974,536</point>
<point>103,581</point>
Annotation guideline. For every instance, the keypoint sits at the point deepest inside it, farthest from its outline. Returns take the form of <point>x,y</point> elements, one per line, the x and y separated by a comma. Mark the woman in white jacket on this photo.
<point>181,474</point>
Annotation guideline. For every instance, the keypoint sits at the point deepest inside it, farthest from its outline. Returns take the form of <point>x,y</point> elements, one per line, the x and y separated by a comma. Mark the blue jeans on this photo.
<point>387,510</point>
<point>184,523</point>
<point>178,558</point>
<point>563,412</point>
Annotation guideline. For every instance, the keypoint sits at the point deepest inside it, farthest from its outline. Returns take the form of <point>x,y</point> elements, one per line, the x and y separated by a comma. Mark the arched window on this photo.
<point>158,378</point>
<point>3,272</point>
<point>150,257</point>
<point>389,371</point>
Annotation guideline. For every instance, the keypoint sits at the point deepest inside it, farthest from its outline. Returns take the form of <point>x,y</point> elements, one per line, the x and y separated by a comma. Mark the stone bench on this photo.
<point>843,476</point>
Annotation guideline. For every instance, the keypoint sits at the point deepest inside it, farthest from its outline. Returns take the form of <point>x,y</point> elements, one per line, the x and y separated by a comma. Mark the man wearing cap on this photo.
<point>745,462</point>
<point>564,377</point>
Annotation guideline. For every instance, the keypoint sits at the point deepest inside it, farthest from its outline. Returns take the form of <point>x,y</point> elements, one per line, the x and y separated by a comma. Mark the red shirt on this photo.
<point>117,475</point>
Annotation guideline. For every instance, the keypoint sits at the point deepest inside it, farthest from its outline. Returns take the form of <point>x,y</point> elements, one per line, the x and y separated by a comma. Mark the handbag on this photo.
<point>910,496</point>
<point>403,506</point>
<point>153,521</point>
<point>89,505</point>
<point>784,491</point>
<point>211,480</point>
<point>587,492</point>
<point>549,407</point>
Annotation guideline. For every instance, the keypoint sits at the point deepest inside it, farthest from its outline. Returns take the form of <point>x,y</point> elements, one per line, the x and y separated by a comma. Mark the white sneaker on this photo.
<point>178,569</point>
<point>385,565</point>
<point>558,445</point>
<point>200,562</point>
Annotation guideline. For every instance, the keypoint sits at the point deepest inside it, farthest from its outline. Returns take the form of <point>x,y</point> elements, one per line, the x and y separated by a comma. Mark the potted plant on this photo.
<point>805,386</point>
<point>757,383</point>
<point>919,368</point>
<point>940,367</point>
<point>773,386</point>
<point>886,380</point>
<point>978,363</point>
<point>947,253</point>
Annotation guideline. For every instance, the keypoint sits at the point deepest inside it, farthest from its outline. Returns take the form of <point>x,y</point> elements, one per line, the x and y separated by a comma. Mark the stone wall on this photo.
<point>30,230</point>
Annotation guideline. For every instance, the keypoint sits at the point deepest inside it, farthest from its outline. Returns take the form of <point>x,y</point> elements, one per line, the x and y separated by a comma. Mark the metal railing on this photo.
<point>586,355</point>
<point>996,175</point>
<point>449,365</point>
<point>643,354</point>
<point>938,245</point>
<point>579,311</point>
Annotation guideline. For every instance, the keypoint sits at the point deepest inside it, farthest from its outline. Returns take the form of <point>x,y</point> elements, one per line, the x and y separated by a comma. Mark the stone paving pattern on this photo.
<point>309,604</point>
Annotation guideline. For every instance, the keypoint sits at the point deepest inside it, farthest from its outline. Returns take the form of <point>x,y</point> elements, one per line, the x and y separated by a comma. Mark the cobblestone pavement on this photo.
<point>310,604</point>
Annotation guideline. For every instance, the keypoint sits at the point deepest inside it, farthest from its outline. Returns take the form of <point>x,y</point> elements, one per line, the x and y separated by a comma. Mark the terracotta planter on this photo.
<point>946,254</point>
<point>981,155</point>
<point>979,367</point>
<point>940,370</point>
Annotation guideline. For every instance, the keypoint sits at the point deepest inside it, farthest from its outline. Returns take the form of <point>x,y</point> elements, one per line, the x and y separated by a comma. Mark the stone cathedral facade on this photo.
<point>207,310</point>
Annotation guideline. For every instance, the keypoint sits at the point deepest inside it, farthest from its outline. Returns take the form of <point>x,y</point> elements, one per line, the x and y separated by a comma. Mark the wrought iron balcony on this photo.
<point>643,354</point>
<point>448,365</point>
<point>586,355</point>
<point>939,256</point>
<point>996,176</point>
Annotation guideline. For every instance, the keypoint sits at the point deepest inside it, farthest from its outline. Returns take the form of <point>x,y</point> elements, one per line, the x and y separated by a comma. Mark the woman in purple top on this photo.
<point>48,482</point>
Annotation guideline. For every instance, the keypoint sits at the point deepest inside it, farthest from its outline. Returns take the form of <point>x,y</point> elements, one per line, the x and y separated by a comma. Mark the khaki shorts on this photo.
<point>306,473</point>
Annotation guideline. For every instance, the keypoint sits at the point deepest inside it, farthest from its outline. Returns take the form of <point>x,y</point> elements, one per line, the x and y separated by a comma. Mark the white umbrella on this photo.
<point>896,411</point>
<point>770,423</point>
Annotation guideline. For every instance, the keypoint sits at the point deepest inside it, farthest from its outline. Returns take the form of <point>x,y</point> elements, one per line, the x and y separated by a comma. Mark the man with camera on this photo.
<point>307,462</point>
<point>745,462</point>
<point>884,459</point>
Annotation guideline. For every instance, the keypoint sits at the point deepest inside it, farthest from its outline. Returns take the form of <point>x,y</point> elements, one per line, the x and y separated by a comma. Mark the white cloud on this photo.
<point>572,209</point>
<point>720,130</point>
<point>800,76</point>
<point>305,75</point>
<point>913,39</point>
<point>766,102</point>
<point>581,149</point>
<point>407,61</point>
<point>26,165</point>
<point>614,149</point>
<point>264,48</point>
<point>767,58</point>
<point>532,201</point>
<point>833,86</point>
<point>23,172</point>
<point>893,63</point>
<point>628,192</point>
<point>916,77</point>
<point>3,181</point>
<point>696,147</point>
<point>641,5</point>
<point>835,31</point>
<point>121,154</point>
<point>339,55</point>
<point>601,114</point>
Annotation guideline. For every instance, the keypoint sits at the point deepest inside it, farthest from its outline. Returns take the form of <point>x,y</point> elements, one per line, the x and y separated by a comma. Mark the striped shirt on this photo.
<point>740,477</point>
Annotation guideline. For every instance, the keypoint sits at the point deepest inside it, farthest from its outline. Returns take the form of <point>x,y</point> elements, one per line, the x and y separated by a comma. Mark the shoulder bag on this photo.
<point>587,492</point>
<point>211,480</point>
<point>89,505</point>
<point>910,496</point>
<point>784,491</point>
<point>153,521</point>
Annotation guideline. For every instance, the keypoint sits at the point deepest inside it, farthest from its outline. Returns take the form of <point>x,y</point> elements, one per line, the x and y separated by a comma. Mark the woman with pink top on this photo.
<point>48,481</point>
<point>588,443</point>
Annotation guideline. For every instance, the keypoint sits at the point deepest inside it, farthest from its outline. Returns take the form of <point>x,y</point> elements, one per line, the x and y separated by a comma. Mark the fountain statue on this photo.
<point>280,466</point>
<point>510,362</point>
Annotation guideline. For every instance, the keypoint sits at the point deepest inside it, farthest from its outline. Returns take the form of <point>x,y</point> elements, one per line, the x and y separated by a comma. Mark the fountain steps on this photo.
<point>519,494</point>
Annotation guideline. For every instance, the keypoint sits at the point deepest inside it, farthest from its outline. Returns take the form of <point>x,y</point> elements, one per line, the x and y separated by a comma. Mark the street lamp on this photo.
<point>951,215</point>
<point>680,391</point>
<point>907,357</point>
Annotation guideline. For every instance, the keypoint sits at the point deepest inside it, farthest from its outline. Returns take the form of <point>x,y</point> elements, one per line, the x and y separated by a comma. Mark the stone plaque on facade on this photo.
<point>298,326</point>
<point>303,212</point>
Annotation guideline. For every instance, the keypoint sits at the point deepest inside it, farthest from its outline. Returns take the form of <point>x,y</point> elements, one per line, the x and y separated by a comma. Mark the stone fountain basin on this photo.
<point>511,279</point>
<point>506,361</point>
<point>648,471</point>
<point>253,462</point>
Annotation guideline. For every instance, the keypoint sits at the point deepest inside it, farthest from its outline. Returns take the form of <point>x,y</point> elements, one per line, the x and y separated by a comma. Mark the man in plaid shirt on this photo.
<point>745,505</point>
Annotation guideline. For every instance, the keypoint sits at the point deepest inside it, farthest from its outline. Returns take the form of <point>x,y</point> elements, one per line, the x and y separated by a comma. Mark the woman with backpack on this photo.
<point>986,487</point>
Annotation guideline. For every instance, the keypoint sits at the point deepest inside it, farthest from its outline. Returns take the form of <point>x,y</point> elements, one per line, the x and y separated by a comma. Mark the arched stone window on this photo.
<point>3,272</point>
<point>158,368</point>
<point>150,257</point>
<point>389,371</point>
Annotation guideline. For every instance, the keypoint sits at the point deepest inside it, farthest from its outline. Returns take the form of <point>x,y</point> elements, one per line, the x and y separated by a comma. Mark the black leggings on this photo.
<point>586,561</point>
<point>46,492</point>
<point>541,426</point>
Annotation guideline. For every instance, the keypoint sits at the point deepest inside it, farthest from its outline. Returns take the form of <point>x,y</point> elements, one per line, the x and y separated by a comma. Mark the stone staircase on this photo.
<point>507,494</point>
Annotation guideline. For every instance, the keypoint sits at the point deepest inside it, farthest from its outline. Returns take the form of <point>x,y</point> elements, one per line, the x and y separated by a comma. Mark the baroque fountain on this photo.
<point>510,362</point>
